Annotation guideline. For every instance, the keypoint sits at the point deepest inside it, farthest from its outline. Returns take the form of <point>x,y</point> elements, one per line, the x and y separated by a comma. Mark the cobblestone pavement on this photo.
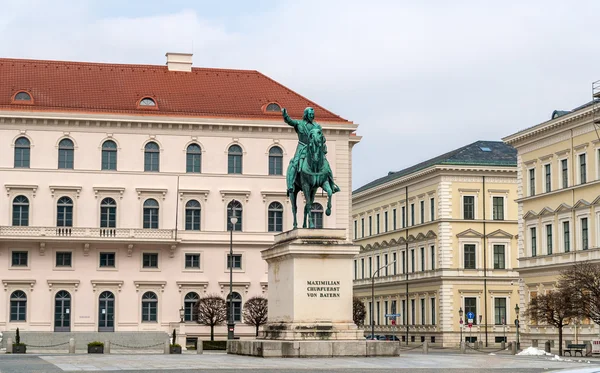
<point>447,363</point>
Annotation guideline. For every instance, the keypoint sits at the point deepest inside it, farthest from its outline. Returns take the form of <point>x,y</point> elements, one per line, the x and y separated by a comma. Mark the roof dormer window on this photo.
<point>147,101</point>
<point>22,97</point>
<point>273,108</point>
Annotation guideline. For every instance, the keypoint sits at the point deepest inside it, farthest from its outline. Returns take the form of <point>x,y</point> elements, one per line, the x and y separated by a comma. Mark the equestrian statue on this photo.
<point>308,169</point>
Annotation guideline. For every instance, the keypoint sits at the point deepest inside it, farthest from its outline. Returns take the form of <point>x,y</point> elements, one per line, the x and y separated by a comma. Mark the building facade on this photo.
<point>438,237</point>
<point>559,207</point>
<point>119,181</point>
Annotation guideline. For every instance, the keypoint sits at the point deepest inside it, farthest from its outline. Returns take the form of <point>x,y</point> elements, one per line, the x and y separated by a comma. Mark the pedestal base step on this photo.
<point>262,348</point>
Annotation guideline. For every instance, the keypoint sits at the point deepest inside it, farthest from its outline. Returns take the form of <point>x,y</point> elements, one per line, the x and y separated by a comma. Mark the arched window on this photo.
<point>275,217</point>
<point>62,311</point>
<point>316,215</point>
<point>275,161</point>
<point>193,159</point>
<point>20,215</point>
<point>64,212</point>
<point>273,107</point>
<point>22,152</point>
<point>66,154</point>
<point>147,101</point>
<point>189,305</point>
<point>151,157</point>
<point>22,96</point>
<point>236,299</point>
<point>151,214</point>
<point>108,213</point>
<point>18,306</point>
<point>234,208</point>
<point>234,160</point>
<point>109,155</point>
<point>192,215</point>
<point>106,312</point>
<point>149,307</point>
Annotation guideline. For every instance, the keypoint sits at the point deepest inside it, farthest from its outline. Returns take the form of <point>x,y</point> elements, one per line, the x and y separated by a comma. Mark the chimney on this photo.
<point>179,61</point>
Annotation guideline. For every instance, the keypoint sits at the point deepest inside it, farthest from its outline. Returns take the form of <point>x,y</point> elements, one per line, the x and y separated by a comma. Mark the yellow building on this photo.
<point>430,224</point>
<point>559,207</point>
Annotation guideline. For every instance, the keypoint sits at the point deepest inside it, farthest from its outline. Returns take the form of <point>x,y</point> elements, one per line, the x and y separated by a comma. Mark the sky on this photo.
<point>420,78</point>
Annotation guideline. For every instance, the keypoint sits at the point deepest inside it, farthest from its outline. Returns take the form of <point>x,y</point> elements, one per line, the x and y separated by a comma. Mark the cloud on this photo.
<point>420,77</point>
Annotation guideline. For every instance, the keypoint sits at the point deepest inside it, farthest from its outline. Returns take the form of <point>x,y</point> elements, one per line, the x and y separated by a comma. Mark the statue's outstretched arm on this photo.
<point>288,120</point>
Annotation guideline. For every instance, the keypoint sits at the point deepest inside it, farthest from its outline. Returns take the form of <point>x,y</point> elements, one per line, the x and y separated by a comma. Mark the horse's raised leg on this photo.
<point>327,188</point>
<point>308,205</point>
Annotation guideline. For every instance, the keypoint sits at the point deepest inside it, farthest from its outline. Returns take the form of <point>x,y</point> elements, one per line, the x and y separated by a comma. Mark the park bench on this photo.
<point>572,347</point>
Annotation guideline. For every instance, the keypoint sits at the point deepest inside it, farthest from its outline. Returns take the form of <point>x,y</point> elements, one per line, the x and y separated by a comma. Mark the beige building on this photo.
<point>447,229</point>
<point>558,166</point>
<point>118,182</point>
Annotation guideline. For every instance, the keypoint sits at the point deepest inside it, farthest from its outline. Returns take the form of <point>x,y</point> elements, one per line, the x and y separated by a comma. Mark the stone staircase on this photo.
<point>56,341</point>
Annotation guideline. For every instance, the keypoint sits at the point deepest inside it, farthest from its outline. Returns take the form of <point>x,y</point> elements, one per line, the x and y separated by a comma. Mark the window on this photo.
<point>362,267</point>
<point>584,233</point>
<point>499,311</point>
<point>275,161</point>
<point>192,261</point>
<point>564,165</point>
<point>192,215</point>
<point>370,225</point>
<point>468,207</point>
<point>151,157</point>
<point>422,259</point>
<point>108,213</point>
<point>422,212</point>
<point>499,257</point>
<point>471,306</point>
<point>22,153</point>
<point>234,160</point>
<point>404,258</point>
<point>412,260</point>
<point>18,306</point>
<point>404,316</point>
<point>532,182</point>
<point>355,269</point>
<point>275,217</point>
<point>385,221</point>
<point>316,215</point>
<point>237,261</point>
<point>273,107</point>
<point>566,237</point>
<point>582,169</point>
<point>412,214</point>
<point>147,101</point>
<point>385,311</point>
<point>533,236</point>
<point>394,218</point>
<point>362,227</point>
<point>355,229</point>
<point>395,263</point>
<point>385,263</point>
<point>549,239</point>
<point>498,208</point>
<point>432,257</point>
<point>63,259</point>
<point>403,216</point>
<point>432,311</point>
<point>412,312</point>
<point>151,214</point>
<point>22,96</point>
<point>19,258</point>
<point>234,301</point>
<point>377,266</point>
<point>370,267</point>
<point>423,313</point>
<point>548,178</point>
<point>109,155</point>
<point>469,256</point>
<point>189,305</point>
<point>66,154</point>
<point>432,208</point>
<point>234,209</point>
<point>107,260</point>
<point>150,260</point>
<point>377,223</point>
<point>149,307</point>
<point>193,159</point>
<point>20,212</point>
<point>64,212</point>
<point>378,314</point>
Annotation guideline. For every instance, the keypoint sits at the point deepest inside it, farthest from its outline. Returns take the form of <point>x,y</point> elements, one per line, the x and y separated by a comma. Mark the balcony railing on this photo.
<point>77,232</point>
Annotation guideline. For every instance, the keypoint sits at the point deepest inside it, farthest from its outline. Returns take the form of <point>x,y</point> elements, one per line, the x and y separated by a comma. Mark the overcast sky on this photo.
<point>419,77</point>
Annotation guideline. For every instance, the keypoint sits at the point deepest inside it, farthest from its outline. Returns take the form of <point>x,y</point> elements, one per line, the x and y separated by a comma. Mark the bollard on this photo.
<point>476,345</point>
<point>425,347</point>
<point>9,343</point>
<point>503,345</point>
<point>199,347</point>
<point>480,345</point>
<point>513,346</point>
<point>71,345</point>
<point>107,347</point>
<point>167,346</point>
<point>463,348</point>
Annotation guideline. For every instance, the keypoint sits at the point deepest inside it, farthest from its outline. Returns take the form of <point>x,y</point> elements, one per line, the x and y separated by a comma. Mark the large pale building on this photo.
<point>447,230</point>
<point>558,166</point>
<point>118,181</point>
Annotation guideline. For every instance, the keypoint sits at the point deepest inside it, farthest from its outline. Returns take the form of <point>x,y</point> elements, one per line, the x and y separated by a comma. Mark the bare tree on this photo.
<point>359,311</point>
<point>555,308</point>
<point>583,279</point>
<point>255,311</point>
<point>211,310</point>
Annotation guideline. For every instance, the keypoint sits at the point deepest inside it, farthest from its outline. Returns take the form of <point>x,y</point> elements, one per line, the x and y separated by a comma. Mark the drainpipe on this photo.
<point>485,294</point>
<point>406,260</point>
<point>176,210</point>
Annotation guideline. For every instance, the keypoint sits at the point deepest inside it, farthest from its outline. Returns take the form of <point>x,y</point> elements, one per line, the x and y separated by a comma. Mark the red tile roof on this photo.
<point>59,86</point>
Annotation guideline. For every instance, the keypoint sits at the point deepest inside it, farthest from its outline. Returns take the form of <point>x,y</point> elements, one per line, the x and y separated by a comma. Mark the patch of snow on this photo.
<point>491,353</point>
<point>532,351</point>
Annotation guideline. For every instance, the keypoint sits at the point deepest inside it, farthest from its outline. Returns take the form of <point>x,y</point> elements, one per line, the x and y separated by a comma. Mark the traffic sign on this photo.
<point>393,322</point>
<point>392,315</point>
<point>470,324</point>
<point>470,315</point>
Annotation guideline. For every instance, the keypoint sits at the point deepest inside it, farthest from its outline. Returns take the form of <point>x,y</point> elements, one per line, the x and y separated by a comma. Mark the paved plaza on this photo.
<point>436,362</point>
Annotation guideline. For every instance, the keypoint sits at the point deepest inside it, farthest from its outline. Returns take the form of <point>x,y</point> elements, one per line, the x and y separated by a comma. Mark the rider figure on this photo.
<point>303,128</point>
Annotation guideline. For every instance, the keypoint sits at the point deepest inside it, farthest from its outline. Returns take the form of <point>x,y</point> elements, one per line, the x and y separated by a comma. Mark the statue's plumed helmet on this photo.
<point>305,116</point>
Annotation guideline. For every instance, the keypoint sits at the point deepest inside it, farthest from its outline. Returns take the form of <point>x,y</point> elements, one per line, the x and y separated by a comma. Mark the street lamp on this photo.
<point>517,326</point>
<point>181,315</point>
<point>373,297</point>
<point>230,324</point>
<point>460,324</point>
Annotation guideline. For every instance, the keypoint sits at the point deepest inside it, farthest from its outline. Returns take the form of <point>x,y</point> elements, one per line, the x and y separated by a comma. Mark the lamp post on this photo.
<point>517,326</point>
<point>460,325</point>
<point>230,324</point>
<point>373,297</point>
<point>181,315</point>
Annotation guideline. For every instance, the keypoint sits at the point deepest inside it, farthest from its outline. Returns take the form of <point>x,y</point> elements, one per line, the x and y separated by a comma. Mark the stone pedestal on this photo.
<point>310,300</point>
